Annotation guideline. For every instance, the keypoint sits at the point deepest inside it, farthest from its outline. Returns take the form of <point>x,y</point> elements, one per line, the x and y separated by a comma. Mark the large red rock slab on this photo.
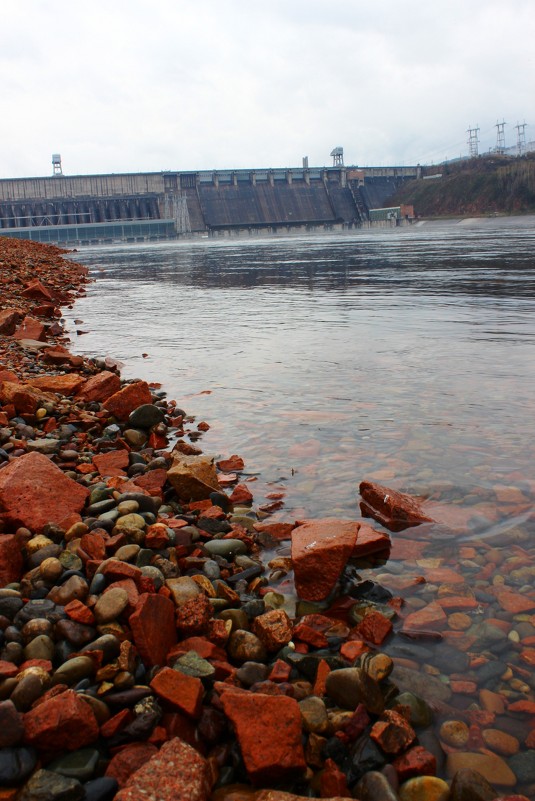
<point>67,384</point>
<point>123,402</point>
<point>182,692</point>
<point>153,628</point>
<point>370,541</point>
<point>60,355</point>
<point>62,723</point>
<point>35,289</point>
<point>111,463</point>
<point>176,773</point>
<point>100,387</point>
<point>9,320</point>
<point>130,759</point>
<point>268,729</point>
<point>320,550</point>
<point>24,398</point>
<point>11,561</point>
<point>34,492</point>
<point>430,617</point>
<point>391,508</point>
<point>30,328</point>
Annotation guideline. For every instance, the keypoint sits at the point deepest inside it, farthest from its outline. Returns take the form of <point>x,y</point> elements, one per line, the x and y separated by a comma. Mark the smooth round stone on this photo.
<point>424,788</point>
<point>130,522</point>
<point>127,553</point>
<point>110,605</point>
<point>102,789</point>
<point>314,714</point>
<point>421,712</point>
<point>459,621</point>
<point>45,785</point>
<point>454,733</point>
<point>29,689</point>
<point>108,518</point>
<point>74,589</point>
<point>16,764</point>
<point>128,507</point>
<point>492,767</point>
<point>98,508</point>
<point>98,584</point>
<point>469,785</point>
<point>10,606</point>
<point>248,523</point>
<point>36,543</point>
<point>211,570</point>
<point>194,665</point>
<point>108,644</point>
<point>146,416</point>
<point>244,646</point>
<point>374,786</point>
<point>74,670</point>
<point>379,667</point>
<point>237,617</point>
<point>225,547</point>
<point>523,766</point>
<point>348,687</point>
<point>77,634</point>
<point>51,569</point>
<point>12,726</point>
<point>252,672</point>
<point>79,764</point>
<point>135,438</point>
<point>70,561</point>
<point>500,742</point>
<point>41,647</point>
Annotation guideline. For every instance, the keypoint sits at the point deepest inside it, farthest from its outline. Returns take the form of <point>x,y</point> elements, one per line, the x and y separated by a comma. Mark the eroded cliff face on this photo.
<point>486,185</point>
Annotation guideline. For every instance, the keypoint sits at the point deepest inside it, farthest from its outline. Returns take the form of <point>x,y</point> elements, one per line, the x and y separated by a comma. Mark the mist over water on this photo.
<point>402,355</point>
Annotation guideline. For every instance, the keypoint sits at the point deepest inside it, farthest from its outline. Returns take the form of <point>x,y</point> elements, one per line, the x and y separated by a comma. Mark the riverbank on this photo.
<point>123,573</point>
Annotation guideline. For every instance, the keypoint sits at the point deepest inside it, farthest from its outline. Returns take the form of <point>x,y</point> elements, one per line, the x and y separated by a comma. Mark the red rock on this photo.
<point>277,531</point>
<point>114,725</point>
<point>31,329</point>
<point>115,570</point>
<point>274,629</point>
<point>123,402</point>
<point>310,635</point>
<point>392,732</point>
<point>430,617</point>
<point>268,729</point>
<point>515,602</point>
<point>11,562</point>
<point>182,692</point>
<point>111,463</point>
<point>241,494</point>
<point>193,617</point>
<point>417,761</point>
<point>9,319</point>
<point>35,289</point>
<point>33,492</point>
<point>280,671</point>
<point>100,387</point>
<point>233,464</point>
<point>79,612</point>
<point>8,670</point>
<point>92,546</point>
<point>203,647</point>
<point>152,481</point>
<point>176,773</point>
<point>375,627</point>
<point>353,649</point>
<point>63,723</point>
<point>153,628</point>
<point>156,536</point>
<point>60,355</point>
<point>129,760</point>
<point>25,399</point>
<point>404,550</point>
<point>526,707</point>
<point>370,541</point>
<point>47,310</point>
<point>391,508</point>
<point>332,780</point>
<point>320,550</point>
<point>67,384</point>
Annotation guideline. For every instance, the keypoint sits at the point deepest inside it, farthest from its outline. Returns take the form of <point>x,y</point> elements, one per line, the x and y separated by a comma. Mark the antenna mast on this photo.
<point>473,142</point>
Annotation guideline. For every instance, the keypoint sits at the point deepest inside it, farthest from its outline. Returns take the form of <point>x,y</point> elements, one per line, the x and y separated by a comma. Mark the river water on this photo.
<point>403,356</point>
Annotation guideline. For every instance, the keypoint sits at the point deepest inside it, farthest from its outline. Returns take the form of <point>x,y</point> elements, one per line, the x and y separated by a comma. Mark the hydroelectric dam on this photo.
<point>151,206</point>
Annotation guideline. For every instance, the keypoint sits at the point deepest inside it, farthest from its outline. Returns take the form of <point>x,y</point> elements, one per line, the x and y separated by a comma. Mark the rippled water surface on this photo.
<point>404,355</point>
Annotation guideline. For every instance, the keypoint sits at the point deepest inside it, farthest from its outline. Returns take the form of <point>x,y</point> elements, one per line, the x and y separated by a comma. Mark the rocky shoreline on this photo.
<point>147,651</point>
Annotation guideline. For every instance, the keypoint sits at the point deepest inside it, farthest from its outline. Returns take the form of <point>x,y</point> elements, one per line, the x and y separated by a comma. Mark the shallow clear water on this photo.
<point>405,355</point>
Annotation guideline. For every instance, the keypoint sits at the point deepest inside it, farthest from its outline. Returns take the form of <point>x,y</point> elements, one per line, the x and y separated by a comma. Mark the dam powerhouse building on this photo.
<point>133,207</point>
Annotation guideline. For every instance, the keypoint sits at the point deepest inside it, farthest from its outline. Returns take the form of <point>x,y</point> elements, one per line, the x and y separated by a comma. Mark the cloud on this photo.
<point>132,85</point>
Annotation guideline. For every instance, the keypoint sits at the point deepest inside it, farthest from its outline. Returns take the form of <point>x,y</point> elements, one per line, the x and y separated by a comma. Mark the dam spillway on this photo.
<point>87,209</point>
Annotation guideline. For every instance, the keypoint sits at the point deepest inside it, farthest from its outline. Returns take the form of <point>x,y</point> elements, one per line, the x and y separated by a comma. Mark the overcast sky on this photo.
<point>139,85</point>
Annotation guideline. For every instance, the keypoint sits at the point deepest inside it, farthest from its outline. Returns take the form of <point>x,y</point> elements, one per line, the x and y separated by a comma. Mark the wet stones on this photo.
<point>391,508</point>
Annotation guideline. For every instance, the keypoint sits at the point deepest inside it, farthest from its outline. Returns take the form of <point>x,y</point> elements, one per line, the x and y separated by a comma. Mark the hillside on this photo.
<point>486,185</point>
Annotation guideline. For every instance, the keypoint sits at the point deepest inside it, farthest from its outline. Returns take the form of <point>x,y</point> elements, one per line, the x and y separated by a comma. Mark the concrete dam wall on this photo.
<point>140,206</point>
